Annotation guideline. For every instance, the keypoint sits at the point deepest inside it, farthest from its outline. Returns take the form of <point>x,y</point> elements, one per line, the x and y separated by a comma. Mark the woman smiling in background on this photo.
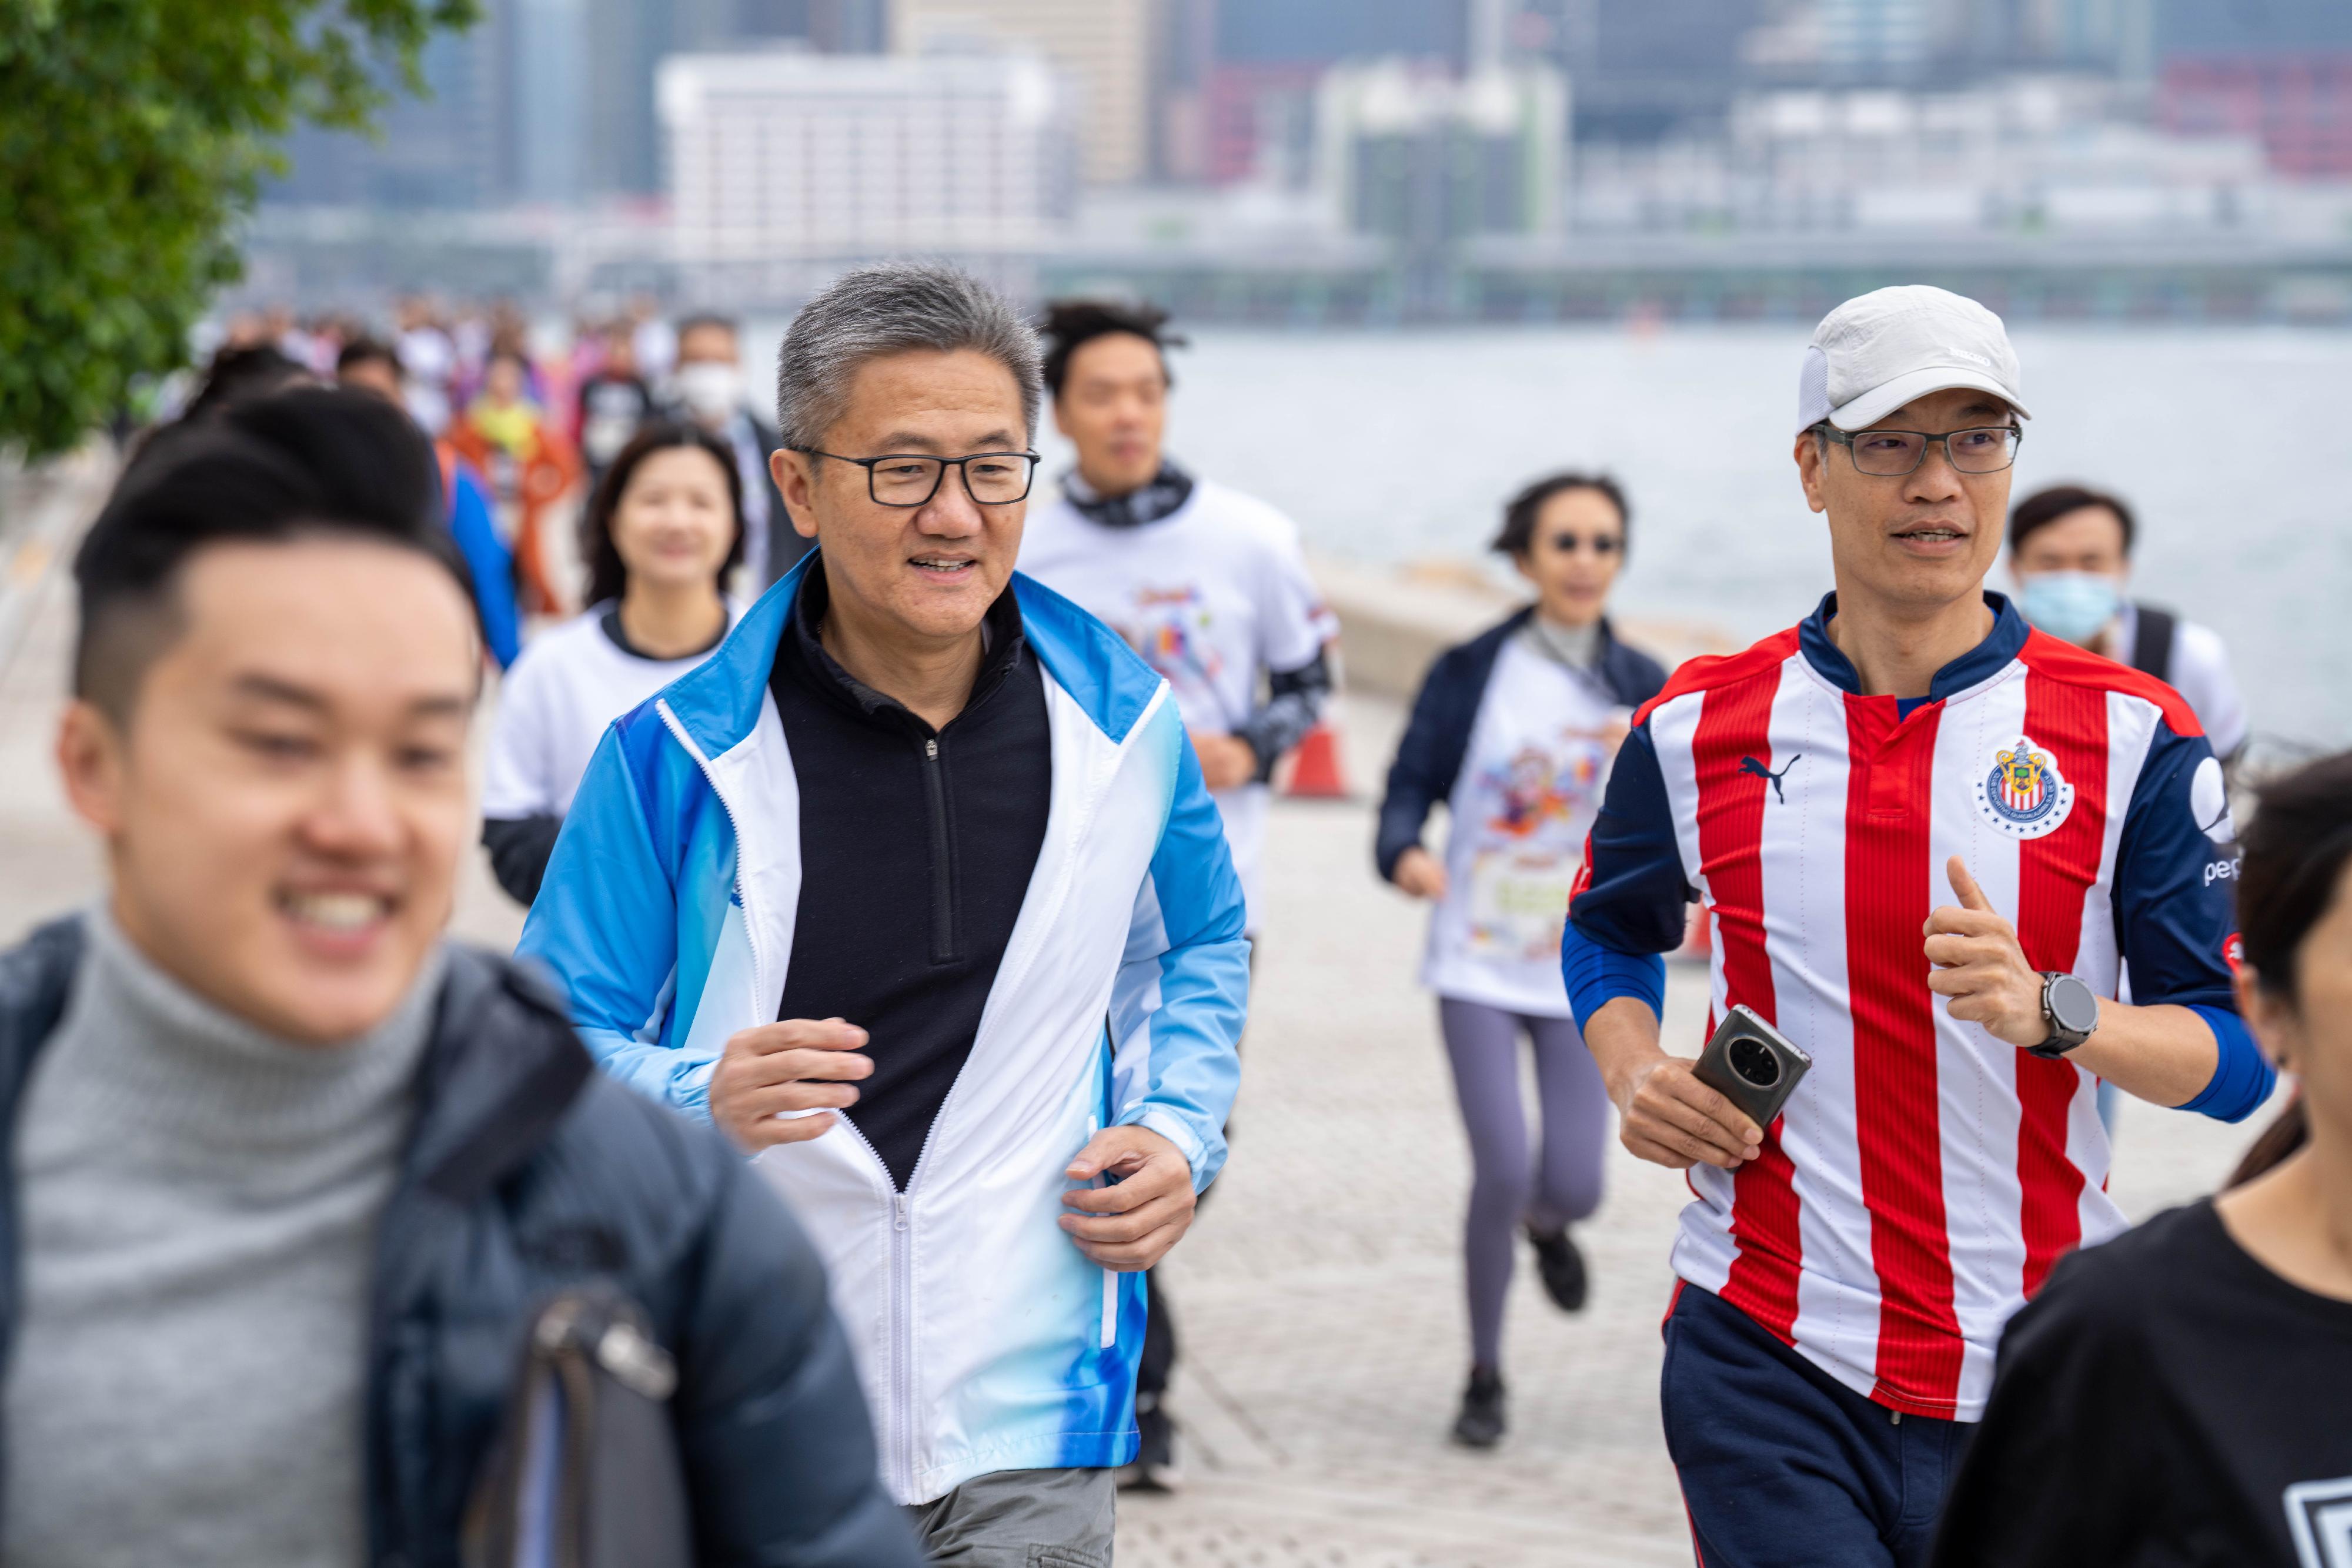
<point>660,535</point>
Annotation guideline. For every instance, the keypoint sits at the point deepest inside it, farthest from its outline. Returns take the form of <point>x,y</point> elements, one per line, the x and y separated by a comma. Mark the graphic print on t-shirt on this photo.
<point>1211,597</point>
<point>1173,629</point>
<point>2319,1513</point>
<point>1529,815</point>
<point>1532,779</point>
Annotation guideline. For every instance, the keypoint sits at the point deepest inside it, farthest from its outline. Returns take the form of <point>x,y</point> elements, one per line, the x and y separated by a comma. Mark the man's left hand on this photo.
<point>1130,1226</point>
<point>1227,761</point>
<point>1979,966</point>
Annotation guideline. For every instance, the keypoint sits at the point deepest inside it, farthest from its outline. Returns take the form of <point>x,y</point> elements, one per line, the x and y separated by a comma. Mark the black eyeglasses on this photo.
<point>1602,545</point>
<point>1888,454</point>
<point>911,479</point>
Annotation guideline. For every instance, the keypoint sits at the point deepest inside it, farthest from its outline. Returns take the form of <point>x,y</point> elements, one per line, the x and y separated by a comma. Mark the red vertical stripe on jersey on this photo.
<point>1897,1120</point>
<point>2054,873</point>
<point>1735,723</point>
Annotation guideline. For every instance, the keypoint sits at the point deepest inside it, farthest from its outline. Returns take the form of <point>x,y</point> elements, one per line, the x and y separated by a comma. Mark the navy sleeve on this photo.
<point>2174,921</point>
<point>1633,892</point>
<point>1415,786</point>
<point>2173,877</point>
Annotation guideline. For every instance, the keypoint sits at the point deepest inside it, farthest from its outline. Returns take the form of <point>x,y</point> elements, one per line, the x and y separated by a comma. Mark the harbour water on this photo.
<point>1401,446</point>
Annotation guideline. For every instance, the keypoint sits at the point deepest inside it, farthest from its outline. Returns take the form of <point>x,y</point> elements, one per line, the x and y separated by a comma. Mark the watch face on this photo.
<point>2074,1006</point>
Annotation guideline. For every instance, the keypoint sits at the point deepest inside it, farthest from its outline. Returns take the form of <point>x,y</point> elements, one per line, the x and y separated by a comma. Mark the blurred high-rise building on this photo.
<point>547,101</point>
<point>1941,45</point>
<point>1641,68</point>
<point>2280,71</point>
<point>782,154</point>
<point>544,45</point>
<point>849,27</point>
<point>1104,47</point>
<point>1875,40</point>
<point>1428,160</point>
<point>1241,103</point>
<point>434,152</point>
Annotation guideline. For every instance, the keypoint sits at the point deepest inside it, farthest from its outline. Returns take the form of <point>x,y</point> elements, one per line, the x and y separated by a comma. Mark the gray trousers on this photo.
<point>1021,1519</point>
<point>1506,1188</point>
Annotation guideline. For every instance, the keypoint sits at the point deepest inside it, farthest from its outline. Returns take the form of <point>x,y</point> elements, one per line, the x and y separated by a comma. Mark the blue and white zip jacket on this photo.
<point>986,1341</point>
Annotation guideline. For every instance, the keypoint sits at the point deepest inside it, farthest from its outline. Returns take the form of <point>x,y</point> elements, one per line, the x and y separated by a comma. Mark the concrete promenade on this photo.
<point>1319,1298</point>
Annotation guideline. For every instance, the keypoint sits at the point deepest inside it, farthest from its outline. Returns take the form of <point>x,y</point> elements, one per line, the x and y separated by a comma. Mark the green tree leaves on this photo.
<point>132,133</point>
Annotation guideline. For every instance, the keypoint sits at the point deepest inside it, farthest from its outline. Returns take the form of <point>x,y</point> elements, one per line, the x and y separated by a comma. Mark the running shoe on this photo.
<point>1481,1423</point>
<point>1154,1469</point>
<point>1562,1266</point>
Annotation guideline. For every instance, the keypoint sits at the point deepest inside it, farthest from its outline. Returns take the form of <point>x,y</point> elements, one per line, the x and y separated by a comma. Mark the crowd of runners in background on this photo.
<point>740,817</point>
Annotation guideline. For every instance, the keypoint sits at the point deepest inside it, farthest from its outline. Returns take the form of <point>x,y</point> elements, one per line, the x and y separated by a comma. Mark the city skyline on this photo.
<point>1407,159</point>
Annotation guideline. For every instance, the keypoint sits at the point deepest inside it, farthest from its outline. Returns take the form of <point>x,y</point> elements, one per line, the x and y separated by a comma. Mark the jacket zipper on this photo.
<point>902,1339</point>
<point>935,793</point>
<point>901,1249</point>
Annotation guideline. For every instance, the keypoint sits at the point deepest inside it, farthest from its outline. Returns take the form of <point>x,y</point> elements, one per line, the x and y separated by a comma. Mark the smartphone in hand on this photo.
<point>1751,1064</point>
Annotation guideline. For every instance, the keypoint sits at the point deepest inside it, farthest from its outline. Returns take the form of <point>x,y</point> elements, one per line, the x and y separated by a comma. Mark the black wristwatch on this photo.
<point>2071,1010</point>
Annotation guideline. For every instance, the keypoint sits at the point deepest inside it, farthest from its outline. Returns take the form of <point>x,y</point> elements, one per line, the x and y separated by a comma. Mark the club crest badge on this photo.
<point>2023,794</point>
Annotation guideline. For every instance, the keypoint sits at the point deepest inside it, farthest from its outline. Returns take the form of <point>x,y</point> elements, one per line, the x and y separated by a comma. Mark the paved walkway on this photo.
<point>1319,1298</point>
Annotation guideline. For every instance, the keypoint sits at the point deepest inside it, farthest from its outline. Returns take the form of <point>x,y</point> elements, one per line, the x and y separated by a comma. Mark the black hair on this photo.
<point>707,318</point>
<point>239,375</point>
<point>309,462</point>
<point>366,350</point>
<point>1069,324</point>
<point>1516,537</point>
<point>2296,850</point>
<point>607,577</point>
<point>2044,507</point>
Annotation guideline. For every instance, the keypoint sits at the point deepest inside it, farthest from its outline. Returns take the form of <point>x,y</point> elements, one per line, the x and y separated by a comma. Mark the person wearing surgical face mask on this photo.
<point>708,388</point>
<point>2069,551</point>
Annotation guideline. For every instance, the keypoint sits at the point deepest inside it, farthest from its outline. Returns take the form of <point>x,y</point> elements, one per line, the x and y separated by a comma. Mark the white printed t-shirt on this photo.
<point>1210,595</point>
<point>1532,783</point>
<point>569,683</point>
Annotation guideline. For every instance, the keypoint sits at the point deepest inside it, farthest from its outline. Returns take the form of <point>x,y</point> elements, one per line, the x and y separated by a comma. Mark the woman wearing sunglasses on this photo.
<point>1515,730</point>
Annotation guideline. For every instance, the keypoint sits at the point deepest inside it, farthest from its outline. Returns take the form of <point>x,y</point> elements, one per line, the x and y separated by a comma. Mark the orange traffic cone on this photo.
<point>1314,771</point>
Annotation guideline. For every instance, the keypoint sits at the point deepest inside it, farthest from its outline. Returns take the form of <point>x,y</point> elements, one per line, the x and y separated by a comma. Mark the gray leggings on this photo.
<point>1506,1188</point>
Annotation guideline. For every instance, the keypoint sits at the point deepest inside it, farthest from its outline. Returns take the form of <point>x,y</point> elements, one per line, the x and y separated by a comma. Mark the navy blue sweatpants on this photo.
<point>1783,1466</point>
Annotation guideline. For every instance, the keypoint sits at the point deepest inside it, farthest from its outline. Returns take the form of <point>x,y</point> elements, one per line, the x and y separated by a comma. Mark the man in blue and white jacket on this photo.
<point>919,804</point>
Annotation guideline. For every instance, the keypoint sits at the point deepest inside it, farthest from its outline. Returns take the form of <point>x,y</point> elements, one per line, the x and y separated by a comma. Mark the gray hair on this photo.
<point>894,308</point>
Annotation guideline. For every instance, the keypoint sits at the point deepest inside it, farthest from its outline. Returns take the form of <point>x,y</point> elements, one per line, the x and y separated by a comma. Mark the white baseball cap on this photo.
<point>1878,351</point>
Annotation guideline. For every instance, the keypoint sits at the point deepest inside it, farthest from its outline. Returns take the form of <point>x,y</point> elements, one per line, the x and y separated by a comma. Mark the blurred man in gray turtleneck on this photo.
<point>288,1172</point>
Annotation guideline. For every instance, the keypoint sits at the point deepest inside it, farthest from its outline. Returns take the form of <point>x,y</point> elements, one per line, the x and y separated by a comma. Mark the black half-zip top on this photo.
<point>916,847</point>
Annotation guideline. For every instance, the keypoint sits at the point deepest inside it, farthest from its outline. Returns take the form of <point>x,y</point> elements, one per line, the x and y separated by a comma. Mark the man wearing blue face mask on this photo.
<point>2069,551</point>
<point>708,389</point>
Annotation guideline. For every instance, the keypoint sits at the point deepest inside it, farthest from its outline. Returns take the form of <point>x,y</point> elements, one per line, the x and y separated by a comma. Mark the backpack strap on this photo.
<point>2152,648</point>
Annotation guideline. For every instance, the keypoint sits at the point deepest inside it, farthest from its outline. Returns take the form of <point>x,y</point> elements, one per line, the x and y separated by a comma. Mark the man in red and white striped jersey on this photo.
<point>1928,839</point>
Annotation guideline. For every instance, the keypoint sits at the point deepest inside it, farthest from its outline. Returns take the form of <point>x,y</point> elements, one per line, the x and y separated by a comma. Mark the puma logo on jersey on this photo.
<point>1750,765</point>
